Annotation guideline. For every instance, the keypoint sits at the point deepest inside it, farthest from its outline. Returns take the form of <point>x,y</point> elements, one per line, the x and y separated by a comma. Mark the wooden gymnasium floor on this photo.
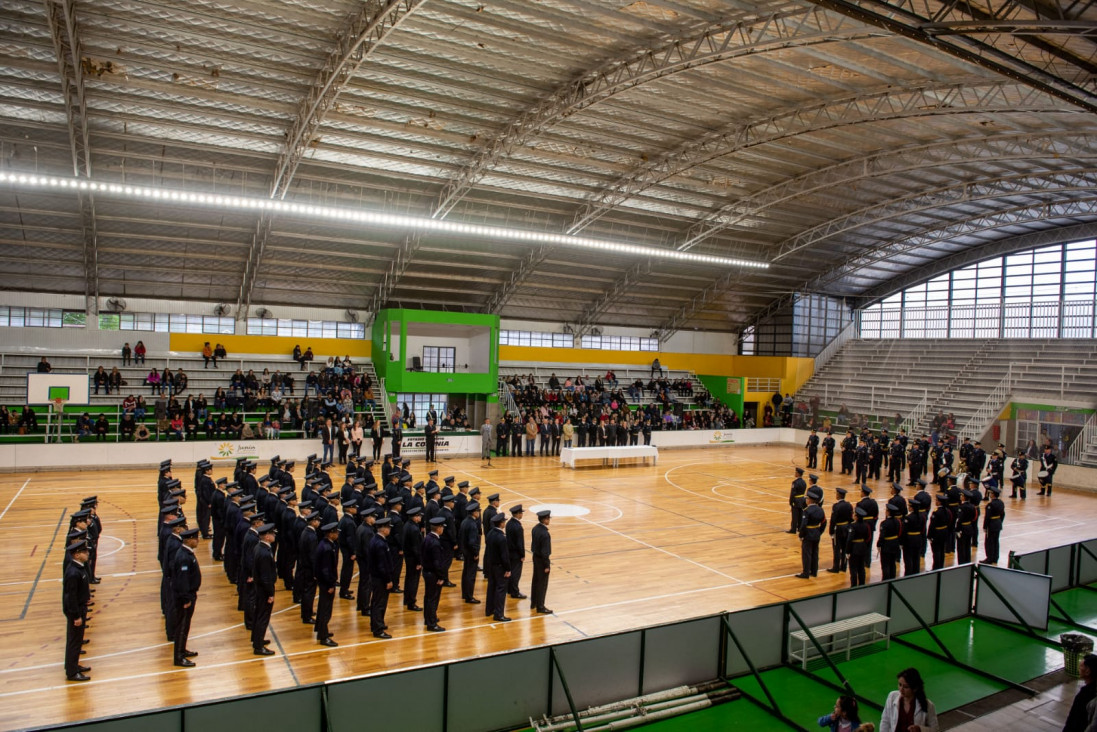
<point>700,533</point>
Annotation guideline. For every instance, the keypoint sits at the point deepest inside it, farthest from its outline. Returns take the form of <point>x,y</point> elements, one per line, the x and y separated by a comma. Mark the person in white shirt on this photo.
<point>907,709</point>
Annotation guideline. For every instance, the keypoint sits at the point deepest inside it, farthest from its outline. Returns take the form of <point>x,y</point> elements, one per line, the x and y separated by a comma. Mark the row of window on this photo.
<point>543,339</point>
<point>13,317</point>
<point>1039,293</point>
<point>18,317</point>
<point>167,323</point>
<point>305,328</point>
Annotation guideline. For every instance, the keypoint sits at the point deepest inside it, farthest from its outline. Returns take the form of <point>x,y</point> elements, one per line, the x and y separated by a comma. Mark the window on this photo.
<point>305,328</point>
<point>619,343</point>
<point>439,359</point>
<point>1040,293</point>
<point>420,404</point>
<point>16,317</point>
<point>537,339</point>
<point>746,342</point>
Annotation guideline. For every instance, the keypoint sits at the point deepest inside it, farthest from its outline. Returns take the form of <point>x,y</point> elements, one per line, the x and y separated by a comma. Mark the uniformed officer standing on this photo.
<point>895,461</point>
<point>812,526</point>
<point>413,556</point>
<point>305,578</point>
<point>348,527</point>
<point>516,547</point>
<point>913,535</point>
<point>841,518</point>
<point>828,452</point>
<point>172,542</point>
<point>436,563</point>
<point>849,447</point>
<point>186,580</point>
<point>265,577</point>
<point>430,435</point>
<point>363,535</point>
<point>889,543</point>
<point>965,521</point>
<point>992,522</point>
<point>469,541</point>
<point>796,501</point>
<point>380,571</point>
<point>1048,464</point>
<point>218,503</point>
<point>395,539</point>
<point>858,547</point>
<point>497,568</point>
<point>325,560</point>
<point>75,596</point>
<point>203,491</point>
<point>940,525</point>
<point>540,547</point>
<point>862,458</point>
<point>872,515</point>
<point>813,449</point>
<point>1019,479</point>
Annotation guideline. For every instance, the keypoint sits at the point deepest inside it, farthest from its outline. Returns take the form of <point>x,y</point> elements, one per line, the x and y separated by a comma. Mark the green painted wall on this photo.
<point>391,366</point>
<point>718,387</point>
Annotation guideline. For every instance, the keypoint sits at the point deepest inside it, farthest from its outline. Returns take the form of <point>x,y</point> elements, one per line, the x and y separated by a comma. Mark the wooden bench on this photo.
<point>569,455</point>
<point>841,635</point>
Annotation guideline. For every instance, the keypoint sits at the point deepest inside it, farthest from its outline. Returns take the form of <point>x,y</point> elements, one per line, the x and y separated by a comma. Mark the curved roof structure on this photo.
<point>845,143</point>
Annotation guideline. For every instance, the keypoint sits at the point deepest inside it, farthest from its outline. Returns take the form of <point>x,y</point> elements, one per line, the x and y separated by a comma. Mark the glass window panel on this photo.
<point>74,319</point>
<point>1051,254</point>
<point>4,315</point>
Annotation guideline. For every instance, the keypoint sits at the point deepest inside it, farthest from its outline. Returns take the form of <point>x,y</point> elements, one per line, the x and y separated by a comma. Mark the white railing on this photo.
<point>509,405</point>
<point>845,334</point>
<point>384,394</point>
<point>990,408</point>
<point>1082,441</point>
<point>916,415</point>
<point>763,384</point>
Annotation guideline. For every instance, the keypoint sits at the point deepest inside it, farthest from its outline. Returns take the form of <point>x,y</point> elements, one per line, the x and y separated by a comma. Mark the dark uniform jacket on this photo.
<point>516,541</point>
<point>436,559</point>
<point>813,523</point>
<point>263,571</point>
<point>497,554</point>
<point>380,565</point>
<point>186,576</point>
<point>75,591</point>
<point>540,545</point>
<point>307,541</point>
<point>994,516</point>
<point>413,544</point>
<point>470,537</point>
<point>325,561</point>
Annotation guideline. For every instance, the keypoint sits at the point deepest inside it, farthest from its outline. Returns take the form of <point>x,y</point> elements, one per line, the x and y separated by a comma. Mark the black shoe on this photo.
<point>803,576</point>
<point>263,652</point>
<point>309,621</point>
<point>83,669</point>
<point>519,596</point>
<point>189,654</point>
<point>501,619</point>
<point>329,643</point>
<point>87,641</point>
<point>266,642</point>
<point>833,571</point>
<point>471,601</point>
<point>382,634</point>
<point>185,663</point>
<point>395,590</point>
<point>96,580</point>
<point>449,584</point>
<point>790,531</point>
<point>78,677</point>
<point>83,652</point>
<point>544,611</point>
<point>436,629</point>
<point>415,608</point>
<point>347,596</point>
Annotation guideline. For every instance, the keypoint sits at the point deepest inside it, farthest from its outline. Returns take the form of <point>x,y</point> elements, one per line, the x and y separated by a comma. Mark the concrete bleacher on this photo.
<point>953,375</point>
<point>625,376</point>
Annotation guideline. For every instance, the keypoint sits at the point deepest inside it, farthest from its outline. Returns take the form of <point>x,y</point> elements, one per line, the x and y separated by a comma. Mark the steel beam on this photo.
<point>1015,184</point>
<point>397,267</point>
<point>997,148</point>
<point>1086,28</point>
<point>61,15</point>
<point>875,106</point>
<point>720,42</point>
<point>364,32</point>
<point>589,317</point>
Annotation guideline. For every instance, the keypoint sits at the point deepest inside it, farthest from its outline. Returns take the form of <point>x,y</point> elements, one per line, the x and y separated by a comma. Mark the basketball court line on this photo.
<point>12,501</point>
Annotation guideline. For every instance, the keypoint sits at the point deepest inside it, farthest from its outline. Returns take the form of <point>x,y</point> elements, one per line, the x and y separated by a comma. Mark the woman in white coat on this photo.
<point>907,709</point>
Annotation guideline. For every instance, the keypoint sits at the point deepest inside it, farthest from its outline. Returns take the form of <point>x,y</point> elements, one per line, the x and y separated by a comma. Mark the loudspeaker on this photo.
<point>416,363</point>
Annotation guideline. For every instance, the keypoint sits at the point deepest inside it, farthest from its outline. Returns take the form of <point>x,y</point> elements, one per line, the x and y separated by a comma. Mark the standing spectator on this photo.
<point>126,354</point>
<point>5,420</point>
<point>44,366</point>
<point>207,356</point>
<point>1078,719</point>
<point>139,353</point>
<point>327,437</point>
<point>907,709</point>
<point>357,434</point>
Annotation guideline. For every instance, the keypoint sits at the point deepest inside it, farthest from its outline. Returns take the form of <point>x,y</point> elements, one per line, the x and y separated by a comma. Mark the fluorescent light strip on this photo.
<point>365,217</point>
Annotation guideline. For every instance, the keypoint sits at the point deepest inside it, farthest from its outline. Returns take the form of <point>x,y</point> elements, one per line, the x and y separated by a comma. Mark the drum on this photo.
<point>942,472</point>
<point>1042,474</point>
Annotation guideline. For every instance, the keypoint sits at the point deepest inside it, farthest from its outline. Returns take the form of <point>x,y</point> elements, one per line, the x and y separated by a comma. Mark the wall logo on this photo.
<point>418,445</point>
<point>718,438</point>
<point>231,449</point>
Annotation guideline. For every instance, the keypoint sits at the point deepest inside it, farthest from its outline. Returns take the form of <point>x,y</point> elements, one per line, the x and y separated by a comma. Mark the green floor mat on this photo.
<point>1079,603</point>
<point>739,714</point>
<point>985,645</point>
<point>873,676</point>
<point>801,698</point>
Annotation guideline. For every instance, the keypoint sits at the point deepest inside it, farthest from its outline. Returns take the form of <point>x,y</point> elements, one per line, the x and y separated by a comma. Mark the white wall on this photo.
<point>88,340</point>
<point>480,353</point>
<point>680,342</point>
<point>416,343</point>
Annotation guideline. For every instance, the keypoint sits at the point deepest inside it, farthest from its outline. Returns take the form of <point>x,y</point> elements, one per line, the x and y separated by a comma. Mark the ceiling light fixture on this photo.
<point>421,223</point>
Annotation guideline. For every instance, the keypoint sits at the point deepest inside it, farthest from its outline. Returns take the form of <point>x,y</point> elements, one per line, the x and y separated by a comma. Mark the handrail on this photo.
<point>1081,440</point>
<point>845,334</point>
<point>915,415</point>
<point>999,396</point>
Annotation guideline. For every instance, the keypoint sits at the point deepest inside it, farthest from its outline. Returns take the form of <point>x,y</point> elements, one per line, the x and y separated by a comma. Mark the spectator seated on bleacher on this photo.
<point>139,353</point>
<point>142,433</point>
<point>102,428</point>
<point>83,427</point>
<point>207,356</point>
<point>175,426</point>
<point>7,420</point>
<point>126,427</point>
<point>611,378</point>
<point>100,379</point>
<point>191,424</point>
<point>44,366</point>
<point>219,352</point>
<point>153,381</point>
<point>115,380</point>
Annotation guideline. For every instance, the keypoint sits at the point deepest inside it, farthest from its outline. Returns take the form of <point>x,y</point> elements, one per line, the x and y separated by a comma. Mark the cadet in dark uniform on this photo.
<point>965,521</point>
<point>940,525</point>
<point>413,556</point>
<point>1019,466</point>
<point>325,559</point>
<point>796,501</point>
<point>992,522</point>
<point>203,492</point>
<point>889,543</point>
<point>171,544</point>
<point>913,534</point>
<point>436,562</point>
<point>395,540</point>
<point>828,453</point>
<point>813,449</point>
<point>380,572</point>
<point>265,578</point>
<point>862,460</point>
<point>75,596</point>
<point>872,515</point>
<point>858,547</point>
<point>977,461</point>
<point>540,547</point>
<point>812,526</point>
<point>516,547</point>
<point>497,568</point>
<point>469,541</point>
<point>217,515</point>
<point>895,461</point>
<point>841,518</point>
<point>1048,465</point>
<point>363,535</point>
<point>305,579</point>
<point>186,580</point>
<point>348,527</point>
<point>849,446</point>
